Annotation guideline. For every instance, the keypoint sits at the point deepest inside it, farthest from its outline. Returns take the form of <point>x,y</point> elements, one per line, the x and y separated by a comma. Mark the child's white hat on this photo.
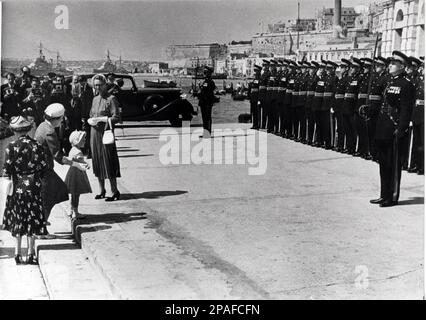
<point>76,136</point>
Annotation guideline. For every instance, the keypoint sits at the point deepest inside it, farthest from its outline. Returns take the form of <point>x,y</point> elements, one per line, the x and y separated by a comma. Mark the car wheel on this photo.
<point>153,103</point>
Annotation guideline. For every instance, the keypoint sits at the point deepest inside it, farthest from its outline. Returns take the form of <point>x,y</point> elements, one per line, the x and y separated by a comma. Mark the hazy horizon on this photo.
<point>141,30</point>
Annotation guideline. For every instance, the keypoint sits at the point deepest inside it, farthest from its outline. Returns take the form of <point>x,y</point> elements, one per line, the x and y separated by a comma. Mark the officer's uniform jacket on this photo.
<point>303,85</point>
<point>329,89</point>
<point>254,90</point>
<point>397,107</point>
<point>319,93</point>
<point>282,84</point>
<point>339,95</point>
<point>296,88</point>
<point>263,82</point>
<point>206,95</point>
<point>351,94</point>
<point>363,90</point>
<point>419,106</point>
<point>291,78</point>
<point>378,84</point>
<point>311,84</point>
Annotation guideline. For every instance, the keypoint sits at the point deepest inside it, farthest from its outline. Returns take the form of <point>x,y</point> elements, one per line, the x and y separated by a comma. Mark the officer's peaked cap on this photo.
<point>265,62</point>
<point>399,56</point>
<point>256,67</point>
<point>315,64</point>
<point>306,63</point>
<point>331,64</point>
<point>381,60</point>
<point>356,62</point>
<point>415,62</point>
<point>345,63</point>
<point>367,61</point>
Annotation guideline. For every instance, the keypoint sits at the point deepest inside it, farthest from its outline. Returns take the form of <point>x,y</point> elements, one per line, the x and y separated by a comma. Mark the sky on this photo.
<point>141,30</point>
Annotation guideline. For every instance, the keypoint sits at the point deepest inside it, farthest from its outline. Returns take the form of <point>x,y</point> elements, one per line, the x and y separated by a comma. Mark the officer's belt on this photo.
<point>319,94</point>
<point>262,87</point>
<point>310,93</point>
<point>289,90</point>
<point>276,88</point>
<point>302,93</point>
<point>420,102</point>
<point>295,93</point>
<point>254,90</point>
<point>362,95</point>
<point>269,88</point>
<point>339,95</point>
<point>281,89</point>
<point>350,95</point>
<point>328,94</point>
<point>375,97</point>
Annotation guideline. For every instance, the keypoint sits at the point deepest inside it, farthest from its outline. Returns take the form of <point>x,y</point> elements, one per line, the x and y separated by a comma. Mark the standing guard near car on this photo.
<point>254,97</point>
<point>206,99</point>
<point>392,129</point>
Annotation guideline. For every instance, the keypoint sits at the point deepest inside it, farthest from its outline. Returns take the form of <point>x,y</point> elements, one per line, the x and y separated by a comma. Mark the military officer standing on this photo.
<point>254,97</point>
<point>271,95</point>
<point>339,96</point>
<point>298,79</point>
<point>281,95</point>
<point>349,105</point>
<point>310,92</point>
<point>206,100</point>
<point>264,78</point>
<point>329,88</point>
<point>392,129</point>
<point>301,101</point>
<point>317,102</point>
<point>288,99</point>
<point>417,154</point>
<point>378,84</point>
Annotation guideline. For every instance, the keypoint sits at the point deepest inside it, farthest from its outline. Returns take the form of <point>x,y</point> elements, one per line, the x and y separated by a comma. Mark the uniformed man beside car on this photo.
<point>254,97</point>
<point>206,99</point>
<point>392,129</point>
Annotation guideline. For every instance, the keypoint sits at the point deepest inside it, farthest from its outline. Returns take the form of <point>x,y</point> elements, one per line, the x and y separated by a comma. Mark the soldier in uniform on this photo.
<point>329,89</point>
<point>282,83</point>
<point>310,91</point>
<point>206,100</point>
<point>271,95</point>
<point>392,129</point>
<point>317,102</point>
<point>9,98</point>
<point>254,97</point>
<point>417,154</point>
<point>288,120</point>
<point>301,101</point>
<point>264,78</point>
<point>349,105</point>
<point>295,100</point>
<point>339,96</point>
<point>378,84</point>
<point>360,122</point>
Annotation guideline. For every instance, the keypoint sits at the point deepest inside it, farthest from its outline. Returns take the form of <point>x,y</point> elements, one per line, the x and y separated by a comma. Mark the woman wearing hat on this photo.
<point>54,189</point>
<point>105,109</point>
<point>25,164</point>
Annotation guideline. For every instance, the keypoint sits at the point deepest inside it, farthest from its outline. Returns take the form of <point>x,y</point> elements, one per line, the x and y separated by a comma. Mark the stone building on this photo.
<point>403,27</point>
<point>188,51</point>
<point>325,16</point>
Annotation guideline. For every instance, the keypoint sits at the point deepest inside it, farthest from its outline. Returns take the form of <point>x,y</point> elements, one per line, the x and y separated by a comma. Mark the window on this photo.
<point>399,15</point>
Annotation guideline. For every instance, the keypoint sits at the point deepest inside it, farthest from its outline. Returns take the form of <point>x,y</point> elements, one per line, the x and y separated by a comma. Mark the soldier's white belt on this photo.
<point>375,97</point>
<point>276,88</point>
<point>420,102</point>
<point>295,93</point>
<point>269,88</point>
<point>328,94</point>
<point>262,87</point>
<point>339,96</point>
<point>302,93</point>
<point>310,93</point>
<point>289,91</point>
<point>349,95</point>
<point>254,90</point>
<point>319,94</point>
<point>281,89</point>
<point>362,96</point>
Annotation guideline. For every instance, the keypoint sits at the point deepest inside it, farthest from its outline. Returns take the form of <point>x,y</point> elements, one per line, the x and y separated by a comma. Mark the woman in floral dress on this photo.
<point>24,164</point>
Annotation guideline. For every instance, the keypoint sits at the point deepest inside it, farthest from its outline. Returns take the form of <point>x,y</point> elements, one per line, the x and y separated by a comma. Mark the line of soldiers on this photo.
<point>334,105</point>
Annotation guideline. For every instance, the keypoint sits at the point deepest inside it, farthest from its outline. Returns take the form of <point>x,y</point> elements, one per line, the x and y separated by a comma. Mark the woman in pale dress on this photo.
<point>105,163</point>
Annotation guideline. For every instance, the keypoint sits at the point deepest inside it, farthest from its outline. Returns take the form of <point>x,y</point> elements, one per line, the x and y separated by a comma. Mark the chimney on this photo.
<point>337,17</point>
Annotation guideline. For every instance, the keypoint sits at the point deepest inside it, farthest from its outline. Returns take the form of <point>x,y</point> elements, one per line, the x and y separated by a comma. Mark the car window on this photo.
<point>127,83</point>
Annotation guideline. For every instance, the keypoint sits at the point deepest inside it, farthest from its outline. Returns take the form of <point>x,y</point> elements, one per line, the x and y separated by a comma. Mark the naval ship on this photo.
<point>40,66</point>
<point>108,66</point>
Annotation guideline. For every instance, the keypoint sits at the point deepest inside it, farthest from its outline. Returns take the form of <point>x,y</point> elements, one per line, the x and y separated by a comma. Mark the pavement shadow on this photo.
<point>127,150</point>
<point>7,253</point>
<point>109,218</point>
<point>413,200</point>
<point>151,194</point>
<point>57,246</point>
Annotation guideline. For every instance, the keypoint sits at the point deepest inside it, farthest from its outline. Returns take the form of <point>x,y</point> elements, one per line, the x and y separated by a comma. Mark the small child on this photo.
<point>76,179</point>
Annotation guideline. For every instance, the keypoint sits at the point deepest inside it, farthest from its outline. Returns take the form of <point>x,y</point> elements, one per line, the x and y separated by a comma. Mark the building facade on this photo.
<point>324,18</point>
<point>183,51</point>
<point>403,27</point>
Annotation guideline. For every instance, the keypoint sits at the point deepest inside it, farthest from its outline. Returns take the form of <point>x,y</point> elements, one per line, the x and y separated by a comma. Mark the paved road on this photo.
<point>304,229</point>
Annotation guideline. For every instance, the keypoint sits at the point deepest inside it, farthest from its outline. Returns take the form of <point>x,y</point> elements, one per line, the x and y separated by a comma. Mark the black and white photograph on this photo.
<point>210,150</point>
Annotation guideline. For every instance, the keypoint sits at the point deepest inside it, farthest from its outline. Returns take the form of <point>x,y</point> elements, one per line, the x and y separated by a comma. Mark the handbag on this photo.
<point>108,137</point>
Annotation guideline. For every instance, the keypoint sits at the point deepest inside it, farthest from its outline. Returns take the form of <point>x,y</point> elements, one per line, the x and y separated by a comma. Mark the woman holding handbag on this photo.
<point>25,165</point>
<point>103,115</point>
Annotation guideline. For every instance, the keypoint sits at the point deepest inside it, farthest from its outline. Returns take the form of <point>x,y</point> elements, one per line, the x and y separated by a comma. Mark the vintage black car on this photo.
<point>149,104</point>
